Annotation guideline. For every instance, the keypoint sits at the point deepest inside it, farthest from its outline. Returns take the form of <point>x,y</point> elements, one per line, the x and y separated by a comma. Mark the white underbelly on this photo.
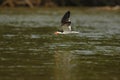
<point>69,32</point>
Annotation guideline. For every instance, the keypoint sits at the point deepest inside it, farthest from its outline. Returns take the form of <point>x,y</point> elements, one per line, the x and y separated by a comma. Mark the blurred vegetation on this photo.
<point>87,2</point>
<point>1,1</point>
<point>79,2</point>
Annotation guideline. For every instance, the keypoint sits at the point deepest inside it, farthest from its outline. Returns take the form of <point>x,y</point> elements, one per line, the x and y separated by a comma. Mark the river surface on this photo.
<point>29,50</point>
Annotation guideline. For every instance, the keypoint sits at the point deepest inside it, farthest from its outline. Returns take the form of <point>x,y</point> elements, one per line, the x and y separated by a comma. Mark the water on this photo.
<point>30,51</point>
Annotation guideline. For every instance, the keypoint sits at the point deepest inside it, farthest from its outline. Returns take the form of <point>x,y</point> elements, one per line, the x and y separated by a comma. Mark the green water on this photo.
<point>30,51</point>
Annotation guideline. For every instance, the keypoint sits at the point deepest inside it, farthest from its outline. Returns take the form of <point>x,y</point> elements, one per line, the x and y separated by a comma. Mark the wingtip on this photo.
<point>68,11</point>
<point>65,18</point>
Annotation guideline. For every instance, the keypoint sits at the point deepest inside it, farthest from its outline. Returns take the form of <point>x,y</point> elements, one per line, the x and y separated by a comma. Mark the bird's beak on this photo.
<point>56,33</point>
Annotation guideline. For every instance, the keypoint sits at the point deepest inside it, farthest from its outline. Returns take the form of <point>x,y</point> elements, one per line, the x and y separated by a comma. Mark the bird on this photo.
<point>65,25</point>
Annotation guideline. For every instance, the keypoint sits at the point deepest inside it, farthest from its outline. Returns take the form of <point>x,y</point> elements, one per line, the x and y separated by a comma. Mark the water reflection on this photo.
<point>63,69</point>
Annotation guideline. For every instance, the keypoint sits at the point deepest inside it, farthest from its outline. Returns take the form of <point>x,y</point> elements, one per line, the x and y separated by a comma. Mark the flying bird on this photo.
<point>65,25</point>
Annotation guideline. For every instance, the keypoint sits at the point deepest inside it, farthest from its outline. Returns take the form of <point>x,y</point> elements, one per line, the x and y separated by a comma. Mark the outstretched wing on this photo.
<point>66,18</point>
<point>65,22</point>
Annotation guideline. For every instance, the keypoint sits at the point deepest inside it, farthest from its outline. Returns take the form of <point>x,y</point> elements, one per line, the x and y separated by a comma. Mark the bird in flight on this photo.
<point>65,25</point>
